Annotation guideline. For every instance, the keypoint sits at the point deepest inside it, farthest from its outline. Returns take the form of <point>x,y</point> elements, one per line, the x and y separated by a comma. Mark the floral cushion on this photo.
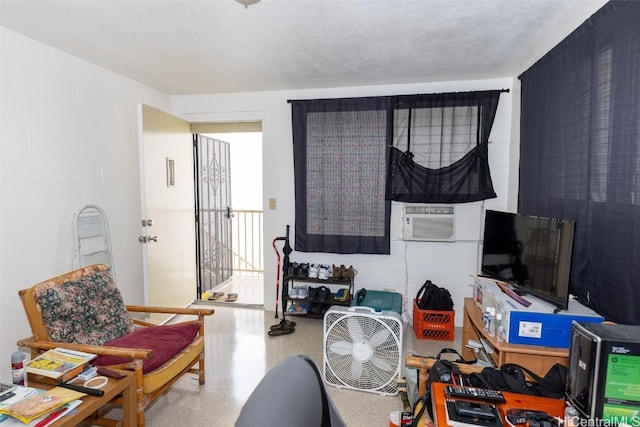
<point>165,340</point>
<point>86,310</point>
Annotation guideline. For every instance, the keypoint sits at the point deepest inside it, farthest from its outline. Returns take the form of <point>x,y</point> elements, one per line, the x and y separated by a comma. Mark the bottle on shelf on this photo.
<point>485,318</point>
<point>499,328</point>
<point>492,322</point>
<point>18,368</point>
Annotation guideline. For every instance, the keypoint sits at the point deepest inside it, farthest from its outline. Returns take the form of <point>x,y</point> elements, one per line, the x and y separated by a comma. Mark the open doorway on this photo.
<point>247,280</point>
<point>168,233</point>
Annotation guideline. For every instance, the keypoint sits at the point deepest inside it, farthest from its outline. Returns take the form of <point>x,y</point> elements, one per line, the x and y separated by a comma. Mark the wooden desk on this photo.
<point>537,358</point>
<point>553,407</point>
<point>125,386</point>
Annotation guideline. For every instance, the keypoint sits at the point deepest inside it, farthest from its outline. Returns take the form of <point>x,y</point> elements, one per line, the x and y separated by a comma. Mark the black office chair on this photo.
<point>291,394</point>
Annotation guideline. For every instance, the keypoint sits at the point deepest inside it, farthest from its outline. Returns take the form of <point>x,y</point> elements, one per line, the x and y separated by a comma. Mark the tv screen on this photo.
<point>532,253</point>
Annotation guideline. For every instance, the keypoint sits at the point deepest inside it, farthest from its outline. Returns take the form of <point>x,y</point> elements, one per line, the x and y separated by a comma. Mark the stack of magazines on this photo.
<point>33,407</point>
<point>59,364</point>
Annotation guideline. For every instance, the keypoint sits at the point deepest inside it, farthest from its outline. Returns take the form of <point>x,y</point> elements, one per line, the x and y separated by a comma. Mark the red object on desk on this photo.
<point>52,417</point>
<point>553,407</point>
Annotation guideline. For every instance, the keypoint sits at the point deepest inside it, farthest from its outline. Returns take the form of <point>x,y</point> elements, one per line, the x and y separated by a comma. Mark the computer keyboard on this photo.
<point>6,388</point>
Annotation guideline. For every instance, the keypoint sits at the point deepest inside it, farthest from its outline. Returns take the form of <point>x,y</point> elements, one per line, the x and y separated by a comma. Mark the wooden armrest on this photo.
<point>134,353</point>
<point>427,362</point>
<point>171,310</point>
<point>141,322</point>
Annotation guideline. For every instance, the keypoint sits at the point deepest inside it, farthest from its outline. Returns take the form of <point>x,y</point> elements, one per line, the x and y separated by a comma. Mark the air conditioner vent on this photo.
<point>428,223</point>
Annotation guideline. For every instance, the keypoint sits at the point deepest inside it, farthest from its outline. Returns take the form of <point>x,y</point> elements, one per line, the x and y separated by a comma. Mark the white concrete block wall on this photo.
<point>410,263</point>
<point>69,137</point>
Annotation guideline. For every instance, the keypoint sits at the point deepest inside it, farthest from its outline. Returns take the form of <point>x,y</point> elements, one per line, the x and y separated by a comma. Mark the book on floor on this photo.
<point>60,364</point>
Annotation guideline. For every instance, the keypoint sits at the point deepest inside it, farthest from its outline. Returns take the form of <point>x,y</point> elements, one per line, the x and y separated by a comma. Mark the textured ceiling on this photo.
<point>213,46</point>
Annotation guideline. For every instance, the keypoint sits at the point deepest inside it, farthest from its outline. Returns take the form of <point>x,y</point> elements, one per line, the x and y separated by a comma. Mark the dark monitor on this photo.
<point>531,253</point>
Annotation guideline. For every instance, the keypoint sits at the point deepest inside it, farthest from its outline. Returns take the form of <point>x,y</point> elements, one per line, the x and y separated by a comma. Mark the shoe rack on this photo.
<point>312,296</point>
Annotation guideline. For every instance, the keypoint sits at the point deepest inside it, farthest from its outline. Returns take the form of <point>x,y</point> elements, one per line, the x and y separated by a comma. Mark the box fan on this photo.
<point>362,349</point>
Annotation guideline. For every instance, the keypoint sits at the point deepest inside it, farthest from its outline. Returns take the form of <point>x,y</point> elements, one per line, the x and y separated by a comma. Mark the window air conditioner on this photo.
<point>428,223</point>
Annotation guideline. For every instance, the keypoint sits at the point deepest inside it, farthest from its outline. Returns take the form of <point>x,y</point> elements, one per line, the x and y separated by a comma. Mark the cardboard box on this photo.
<point>536,324</point>
<point>483,290</point>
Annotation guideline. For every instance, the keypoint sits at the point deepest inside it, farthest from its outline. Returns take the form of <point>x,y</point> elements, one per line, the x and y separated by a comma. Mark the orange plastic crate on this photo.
<point>433,325</point>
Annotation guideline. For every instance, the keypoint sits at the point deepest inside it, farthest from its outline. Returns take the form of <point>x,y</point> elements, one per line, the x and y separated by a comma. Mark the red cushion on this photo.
<point>166,341</point>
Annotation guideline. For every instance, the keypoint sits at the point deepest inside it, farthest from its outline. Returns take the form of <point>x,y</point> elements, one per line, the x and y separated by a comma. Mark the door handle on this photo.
<point>147,222</point>
<point>229,213</point>
<point>147,239</point>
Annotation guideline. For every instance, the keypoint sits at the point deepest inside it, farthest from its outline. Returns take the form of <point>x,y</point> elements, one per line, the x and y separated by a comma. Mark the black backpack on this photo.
<point>432,297</point>
<point>441,371</point>
<point>511,377</point>
<point>512,380</point>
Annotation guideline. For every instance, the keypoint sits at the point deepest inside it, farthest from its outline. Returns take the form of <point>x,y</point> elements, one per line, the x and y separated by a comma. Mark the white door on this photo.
<point>168,218</point>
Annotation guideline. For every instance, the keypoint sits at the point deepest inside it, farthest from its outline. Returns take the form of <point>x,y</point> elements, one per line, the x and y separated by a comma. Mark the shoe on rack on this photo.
<point>303,270</point>
<point>337,271</point>
<point>293,292</point>
<point>315,309</point>
<point>348,273</point>
<point>303,292</point>
<point>293,269</point>
<point>313,293</point>
<point>342,294</point>
<point>314,269</point>
<point>298,308</point>
<point>324,293</point>
<point>323,272</point>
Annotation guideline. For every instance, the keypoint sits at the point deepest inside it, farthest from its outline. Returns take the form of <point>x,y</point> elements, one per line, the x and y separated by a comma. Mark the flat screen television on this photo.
<point>531,253</point>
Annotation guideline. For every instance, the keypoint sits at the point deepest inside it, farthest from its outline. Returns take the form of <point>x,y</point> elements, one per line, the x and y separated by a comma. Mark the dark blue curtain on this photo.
<point>580,154</point>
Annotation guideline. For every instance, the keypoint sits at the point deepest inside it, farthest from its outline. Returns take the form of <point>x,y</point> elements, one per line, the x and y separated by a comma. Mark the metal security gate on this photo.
<point>214,252</point>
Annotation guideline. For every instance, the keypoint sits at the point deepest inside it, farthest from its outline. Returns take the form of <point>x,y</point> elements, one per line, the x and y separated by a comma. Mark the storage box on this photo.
<point>381,301</point>
<point>432,324</point>
<point>536,324</point>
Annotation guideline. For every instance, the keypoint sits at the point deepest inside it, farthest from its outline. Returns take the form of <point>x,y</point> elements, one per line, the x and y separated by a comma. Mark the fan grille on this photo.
<point>362,351</point>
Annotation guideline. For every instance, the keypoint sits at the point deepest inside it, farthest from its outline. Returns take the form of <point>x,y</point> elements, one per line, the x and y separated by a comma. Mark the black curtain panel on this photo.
<point>440,148</point>
<point>339,153</point>
<point>580,154</point>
